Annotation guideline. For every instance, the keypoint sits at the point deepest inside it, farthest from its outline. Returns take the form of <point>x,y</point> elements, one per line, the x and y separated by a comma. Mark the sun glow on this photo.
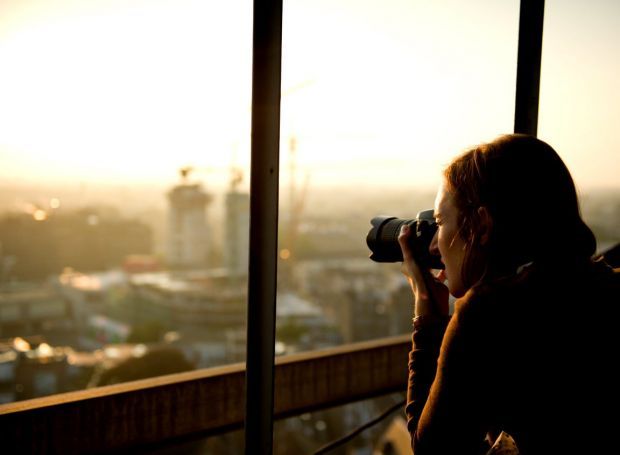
<point>122,92</point>
<point>130,91</point>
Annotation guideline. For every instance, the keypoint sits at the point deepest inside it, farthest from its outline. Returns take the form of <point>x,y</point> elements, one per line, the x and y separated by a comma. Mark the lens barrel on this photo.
<point>382,239</point>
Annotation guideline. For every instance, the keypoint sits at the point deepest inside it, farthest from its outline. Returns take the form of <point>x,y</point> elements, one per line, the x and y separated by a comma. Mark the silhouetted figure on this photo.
<point>531,346</point>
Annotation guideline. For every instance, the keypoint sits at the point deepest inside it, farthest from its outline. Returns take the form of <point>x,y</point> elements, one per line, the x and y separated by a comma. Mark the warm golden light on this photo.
<point>394,88</point>
<point>45,350</point>
<point>21,345</point>
<point>39,215</point>
<point>285,254</point>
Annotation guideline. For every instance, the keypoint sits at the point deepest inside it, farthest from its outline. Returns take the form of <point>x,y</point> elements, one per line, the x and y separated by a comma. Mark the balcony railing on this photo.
<point>199,403</point>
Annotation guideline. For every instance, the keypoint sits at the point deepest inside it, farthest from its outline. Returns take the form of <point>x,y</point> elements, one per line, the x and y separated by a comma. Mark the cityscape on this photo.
<point>92,296</point>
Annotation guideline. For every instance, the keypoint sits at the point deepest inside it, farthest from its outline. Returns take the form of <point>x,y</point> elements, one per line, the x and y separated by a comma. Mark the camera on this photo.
<point>382,239</point>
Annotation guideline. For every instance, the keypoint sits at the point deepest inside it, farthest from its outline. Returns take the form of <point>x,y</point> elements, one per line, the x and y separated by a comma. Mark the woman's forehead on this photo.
<point>444,201</point>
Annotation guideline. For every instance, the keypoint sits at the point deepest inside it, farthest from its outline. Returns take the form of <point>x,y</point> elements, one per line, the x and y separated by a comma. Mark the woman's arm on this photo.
<point>428,332</point>
<point>444,405</point>
<point>446,397</point>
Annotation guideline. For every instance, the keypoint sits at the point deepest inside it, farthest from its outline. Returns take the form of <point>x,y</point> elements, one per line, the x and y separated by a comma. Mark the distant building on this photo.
<point>36,311</point>
<point>302,325</point>
<point>355,293</point>
<point>188,234</point>
<point>141,263</point>
<point>201,306</point>
<point>90,297</point>
<point>237,235</point>
<point>30,368</point>
<point>191,299</point>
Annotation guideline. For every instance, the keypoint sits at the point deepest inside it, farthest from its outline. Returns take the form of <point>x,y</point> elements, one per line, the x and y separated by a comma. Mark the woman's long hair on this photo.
<point>531,198</point>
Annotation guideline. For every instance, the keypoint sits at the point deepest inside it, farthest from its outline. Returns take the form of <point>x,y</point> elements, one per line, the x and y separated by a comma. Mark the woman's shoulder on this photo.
<point>544,284</point>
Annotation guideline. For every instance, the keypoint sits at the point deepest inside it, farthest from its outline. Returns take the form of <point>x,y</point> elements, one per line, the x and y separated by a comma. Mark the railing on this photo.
<point>154,411</point>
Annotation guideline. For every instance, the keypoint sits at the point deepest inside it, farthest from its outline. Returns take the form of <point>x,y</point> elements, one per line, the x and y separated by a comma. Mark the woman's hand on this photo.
<point>431,295</point>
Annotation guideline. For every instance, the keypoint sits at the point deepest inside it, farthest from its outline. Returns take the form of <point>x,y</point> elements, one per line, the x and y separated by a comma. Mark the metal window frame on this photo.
<point>531,18</point>
<point>265,175</point>
<point>266,76</point>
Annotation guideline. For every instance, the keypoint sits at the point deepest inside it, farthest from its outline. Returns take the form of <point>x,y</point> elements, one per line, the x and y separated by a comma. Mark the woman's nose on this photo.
<point>433,248</point>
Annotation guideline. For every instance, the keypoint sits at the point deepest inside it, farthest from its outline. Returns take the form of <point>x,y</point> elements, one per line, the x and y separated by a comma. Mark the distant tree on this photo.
<point>290,332</point>
<point>155,362</point>
<point>149,332</point>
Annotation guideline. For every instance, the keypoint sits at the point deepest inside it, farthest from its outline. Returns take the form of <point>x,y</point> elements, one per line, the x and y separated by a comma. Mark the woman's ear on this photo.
<point>486,225</point>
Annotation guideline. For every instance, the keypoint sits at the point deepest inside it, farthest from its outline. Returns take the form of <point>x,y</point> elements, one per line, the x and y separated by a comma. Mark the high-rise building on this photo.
<point>189,237</point>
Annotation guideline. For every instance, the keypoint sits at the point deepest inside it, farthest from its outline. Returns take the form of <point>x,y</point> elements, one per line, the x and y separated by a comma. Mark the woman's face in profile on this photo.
<point>448,242</point>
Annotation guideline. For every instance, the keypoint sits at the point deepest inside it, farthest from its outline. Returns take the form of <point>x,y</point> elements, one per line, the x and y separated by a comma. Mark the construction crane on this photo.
<point>236,174</point>
<point>236,177</point>
<point>184,173</point>
<point>297,199</point>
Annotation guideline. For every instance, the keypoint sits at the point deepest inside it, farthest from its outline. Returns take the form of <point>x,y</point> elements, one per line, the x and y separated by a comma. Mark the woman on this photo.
<point>529,349</point>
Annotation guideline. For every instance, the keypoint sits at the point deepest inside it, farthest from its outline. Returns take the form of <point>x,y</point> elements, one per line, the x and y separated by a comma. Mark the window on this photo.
<point>580,105</point>
<point>124,137</point>
<point>376,99</point>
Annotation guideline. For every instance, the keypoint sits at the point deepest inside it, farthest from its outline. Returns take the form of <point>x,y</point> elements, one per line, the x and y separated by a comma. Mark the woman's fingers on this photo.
<point>431,294</point>
<point>403,241</point>
<point>410,266</point>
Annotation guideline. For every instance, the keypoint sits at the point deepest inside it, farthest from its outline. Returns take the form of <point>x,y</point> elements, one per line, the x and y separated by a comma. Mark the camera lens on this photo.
<point>382,239</point>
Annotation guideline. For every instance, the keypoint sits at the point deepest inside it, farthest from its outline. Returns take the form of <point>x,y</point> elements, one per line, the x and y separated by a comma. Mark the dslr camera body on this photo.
<point>382,239</point>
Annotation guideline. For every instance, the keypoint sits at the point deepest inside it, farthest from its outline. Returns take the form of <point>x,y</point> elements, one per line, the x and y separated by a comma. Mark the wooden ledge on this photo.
<point>202,402</point>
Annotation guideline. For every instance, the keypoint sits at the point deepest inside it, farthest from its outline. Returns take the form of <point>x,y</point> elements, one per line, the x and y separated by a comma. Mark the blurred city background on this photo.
<point>124,185</point>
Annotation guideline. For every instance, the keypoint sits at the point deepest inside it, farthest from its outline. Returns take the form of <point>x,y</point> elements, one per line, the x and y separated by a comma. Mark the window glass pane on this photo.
<point>124,140</point>
<point>377,98</point>
<point>580,104</point>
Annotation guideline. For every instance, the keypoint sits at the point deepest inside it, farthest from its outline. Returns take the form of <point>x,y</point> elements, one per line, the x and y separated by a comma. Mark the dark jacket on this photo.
<point>531,355</point>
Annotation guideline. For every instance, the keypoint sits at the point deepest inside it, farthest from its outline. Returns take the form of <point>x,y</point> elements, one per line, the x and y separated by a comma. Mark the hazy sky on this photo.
<point>382,92</point>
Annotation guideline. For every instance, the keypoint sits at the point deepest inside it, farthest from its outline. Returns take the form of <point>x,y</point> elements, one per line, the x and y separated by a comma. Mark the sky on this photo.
<point>375,93</point>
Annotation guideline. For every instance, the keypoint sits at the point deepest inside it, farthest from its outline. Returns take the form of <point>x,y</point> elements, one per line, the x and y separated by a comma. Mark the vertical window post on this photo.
<point>528,66</point>
<point>266,75</point>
